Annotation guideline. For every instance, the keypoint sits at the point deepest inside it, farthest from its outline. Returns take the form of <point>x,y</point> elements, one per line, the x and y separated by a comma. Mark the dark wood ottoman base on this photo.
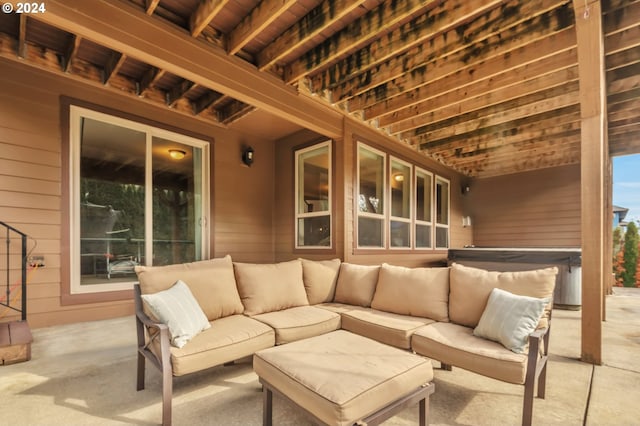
<point>420,396</point>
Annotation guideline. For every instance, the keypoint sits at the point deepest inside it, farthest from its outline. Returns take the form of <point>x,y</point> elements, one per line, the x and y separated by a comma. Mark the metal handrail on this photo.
<point>23,237</point>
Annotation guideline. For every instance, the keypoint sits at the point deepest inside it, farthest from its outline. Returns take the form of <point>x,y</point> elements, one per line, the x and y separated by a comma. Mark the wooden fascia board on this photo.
<point>124,28</point>
<point>593,160</point>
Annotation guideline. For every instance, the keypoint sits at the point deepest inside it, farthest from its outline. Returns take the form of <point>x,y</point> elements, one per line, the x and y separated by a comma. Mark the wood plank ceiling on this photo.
<point>487,87</point>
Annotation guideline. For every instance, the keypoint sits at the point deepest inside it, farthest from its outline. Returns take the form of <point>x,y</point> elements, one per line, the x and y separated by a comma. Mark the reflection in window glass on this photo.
<point>400,189</point>
<point>313,196</point>
<point>371,187</point>
<point>442,213</point>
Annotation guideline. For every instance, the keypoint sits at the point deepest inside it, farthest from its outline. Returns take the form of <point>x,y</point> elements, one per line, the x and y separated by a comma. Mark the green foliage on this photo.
<point>630,255</point>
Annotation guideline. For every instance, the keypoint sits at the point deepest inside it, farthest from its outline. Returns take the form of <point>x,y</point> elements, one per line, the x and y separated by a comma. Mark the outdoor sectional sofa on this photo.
<point>440,313</point>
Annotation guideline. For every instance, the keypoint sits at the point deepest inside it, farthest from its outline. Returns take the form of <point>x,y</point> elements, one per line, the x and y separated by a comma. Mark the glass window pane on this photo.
<point>442,201</point>
<point>371,175</point>
<point>442,237</point>
<point>423,196</point>
<point>112,215</point>
<point>423,236</point>
<point>314,231</point>
<point>313,180</point>
<point>177,198</point>
<point>370,232</point>
<point>400,234</point>
<point>400,184</point>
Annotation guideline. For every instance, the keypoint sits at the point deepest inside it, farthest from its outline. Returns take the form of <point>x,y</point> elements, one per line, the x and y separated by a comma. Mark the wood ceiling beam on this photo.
<point>125,28</point>
<point>179,91</point>
<point>459,102</point>
<point>149,78</point>
<point>454,50</point>
<point>70,52</point>
<point>113,65</point>
<point>205,101</point>
<point>506,129</point>
<point>253,24</point>
<point>594,164</point>
<point>358,33</point>
<point>441,18</point>
<point>536,103</point>
<point>22,36</point>
<point>150,6</point>
<point>465,84</point>
<point>319,18</point>
<point>204,14</point>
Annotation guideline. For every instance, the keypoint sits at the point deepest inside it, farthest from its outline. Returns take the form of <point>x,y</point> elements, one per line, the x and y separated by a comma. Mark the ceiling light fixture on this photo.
<point>177,154</point>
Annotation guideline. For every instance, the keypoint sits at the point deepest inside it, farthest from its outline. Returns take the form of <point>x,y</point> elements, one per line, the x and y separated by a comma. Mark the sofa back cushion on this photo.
<point>419,292</point>
<point>356,284</point>
<point>212,283</point>
<point>470,289</point>
<point>270,287</point>
<point>320,277</point>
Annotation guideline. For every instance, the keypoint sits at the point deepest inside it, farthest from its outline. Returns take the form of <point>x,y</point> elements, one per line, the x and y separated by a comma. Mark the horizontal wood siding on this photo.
<point>31,193</point>
<point>533,209</point>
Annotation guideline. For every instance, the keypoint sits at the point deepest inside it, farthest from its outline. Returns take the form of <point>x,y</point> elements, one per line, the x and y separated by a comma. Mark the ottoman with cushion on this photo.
<point>341,378</point>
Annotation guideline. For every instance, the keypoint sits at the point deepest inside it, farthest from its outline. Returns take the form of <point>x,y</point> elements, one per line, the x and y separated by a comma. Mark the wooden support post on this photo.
<point>594,161</point>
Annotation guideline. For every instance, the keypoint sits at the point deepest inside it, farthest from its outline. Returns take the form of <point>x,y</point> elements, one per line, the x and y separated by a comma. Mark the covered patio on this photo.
<point>85,374</point>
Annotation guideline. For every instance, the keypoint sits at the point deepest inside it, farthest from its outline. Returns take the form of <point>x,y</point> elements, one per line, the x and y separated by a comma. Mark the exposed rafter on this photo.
<point>70,52</point>
<point>150,6</point>
<point>206,11</point>
<point>113,65</point>
<point>22,38</point>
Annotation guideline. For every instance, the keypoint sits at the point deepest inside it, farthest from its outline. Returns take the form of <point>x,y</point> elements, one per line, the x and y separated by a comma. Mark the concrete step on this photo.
<point>15,342</point>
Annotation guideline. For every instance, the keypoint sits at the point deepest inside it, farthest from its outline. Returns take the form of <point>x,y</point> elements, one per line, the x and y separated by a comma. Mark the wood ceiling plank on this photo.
<point>492,169</point>
<point>464,82</point>
<point>624,118</point>
<point>623,40</point>
<point>623,58</point>
<point>22,36</point>
<point>622,19</point>
<point>486,94</point>
<point>112,66</point>
<point>319,18</point>
<point>234,111</point>
<point>253,24</point>
<point>149,78</point>
<point>357,34</point>
<point>625,145</point>
<point>621,85</point>
<point>204,14</point>
<point>150,6</point>
<point>453,51</point>
<point>546,100</point>
<point>441,18</point>
<point>125,28</point>
<point>622,132</point>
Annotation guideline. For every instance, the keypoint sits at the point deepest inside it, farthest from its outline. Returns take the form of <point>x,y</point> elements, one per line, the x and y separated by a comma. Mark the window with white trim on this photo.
<point>313,196</point>
<point>139,196</point>
<point>371,197</point>
<point>442,212</point>
<point>424,202</point>
<point>401,204</point>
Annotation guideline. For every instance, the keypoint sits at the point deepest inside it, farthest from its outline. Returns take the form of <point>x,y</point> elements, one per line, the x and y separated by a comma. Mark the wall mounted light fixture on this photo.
<point>247,156</point>
<point>177,154</point>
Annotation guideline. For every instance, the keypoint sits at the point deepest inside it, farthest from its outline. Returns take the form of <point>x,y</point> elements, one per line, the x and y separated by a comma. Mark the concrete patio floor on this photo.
<point>84,374</point>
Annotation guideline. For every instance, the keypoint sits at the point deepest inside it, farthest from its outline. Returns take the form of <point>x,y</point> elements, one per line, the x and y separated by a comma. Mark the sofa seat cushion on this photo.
<point>341,377</point>
<point>456,345</point>
<point>339,307</point>
<point>385,327</point>
<point>300,322</point>
<point>227,339</point>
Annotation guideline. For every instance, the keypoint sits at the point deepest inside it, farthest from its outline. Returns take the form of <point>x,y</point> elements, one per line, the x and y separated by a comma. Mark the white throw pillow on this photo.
<point>177,308</point>
<point>509,319</point>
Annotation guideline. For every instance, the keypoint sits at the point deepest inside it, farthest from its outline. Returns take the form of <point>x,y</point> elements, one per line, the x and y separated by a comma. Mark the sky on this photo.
<point>626,184</point>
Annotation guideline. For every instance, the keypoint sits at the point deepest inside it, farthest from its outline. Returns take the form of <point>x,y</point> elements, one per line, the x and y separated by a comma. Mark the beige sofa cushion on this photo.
<point>270,287</point>
<point>384,327</point>
<point>320,278</point>
<point>456,345</point>
<point>300,322</point>
<point>227,339</point>
<point>470,289</point>
<point>356,284</point>
<point>341,377</point>
<point>420,292</point>
<point>212,283</point>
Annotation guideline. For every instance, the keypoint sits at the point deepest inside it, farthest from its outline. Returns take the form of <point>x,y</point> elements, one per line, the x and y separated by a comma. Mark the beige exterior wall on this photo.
<point>31,190</point>
<point>533,209</point>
